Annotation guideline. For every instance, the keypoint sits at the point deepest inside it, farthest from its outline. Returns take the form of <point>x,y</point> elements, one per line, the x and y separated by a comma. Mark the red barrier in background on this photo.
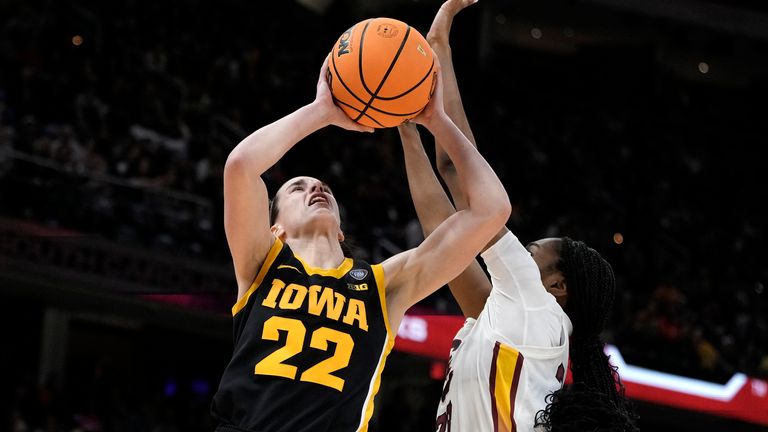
<point>741,398</point>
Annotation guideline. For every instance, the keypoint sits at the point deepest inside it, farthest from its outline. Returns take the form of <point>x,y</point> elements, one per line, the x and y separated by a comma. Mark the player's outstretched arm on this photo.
<point>471,287</point>
<point>444,254</point>
<point>438,38</point>
<point>246,203</point>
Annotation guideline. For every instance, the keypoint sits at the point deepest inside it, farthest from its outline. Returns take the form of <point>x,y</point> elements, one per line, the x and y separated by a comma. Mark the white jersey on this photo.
<point>503,364</point>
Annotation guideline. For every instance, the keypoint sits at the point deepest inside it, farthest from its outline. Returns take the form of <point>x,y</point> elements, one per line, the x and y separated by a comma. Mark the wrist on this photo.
<point>437,122</point>
<point>439,44</point>
<point>317,114</point>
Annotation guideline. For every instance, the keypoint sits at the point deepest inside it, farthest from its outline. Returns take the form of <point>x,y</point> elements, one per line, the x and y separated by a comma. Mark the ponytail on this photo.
<point>595,401</point>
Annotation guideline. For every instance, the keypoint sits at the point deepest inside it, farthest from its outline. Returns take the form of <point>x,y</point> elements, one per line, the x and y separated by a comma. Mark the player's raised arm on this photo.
<point>472,287</point>
<point>246,203</point>
<point>431,203</point>
<point>438,38</point>
<point>414,274</point>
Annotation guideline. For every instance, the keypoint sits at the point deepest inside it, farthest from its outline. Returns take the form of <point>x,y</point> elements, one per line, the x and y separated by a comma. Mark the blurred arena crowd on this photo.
<point>116,120</point>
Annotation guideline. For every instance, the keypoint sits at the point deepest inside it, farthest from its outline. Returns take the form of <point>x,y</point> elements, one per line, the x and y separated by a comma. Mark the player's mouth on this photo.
<point>319,199</point>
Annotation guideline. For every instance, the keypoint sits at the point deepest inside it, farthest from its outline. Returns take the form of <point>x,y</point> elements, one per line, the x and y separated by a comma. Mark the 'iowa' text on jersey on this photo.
<point>321,301</point>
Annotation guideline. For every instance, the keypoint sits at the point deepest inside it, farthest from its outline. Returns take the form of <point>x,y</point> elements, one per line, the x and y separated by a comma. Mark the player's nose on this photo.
<point>315,186</point>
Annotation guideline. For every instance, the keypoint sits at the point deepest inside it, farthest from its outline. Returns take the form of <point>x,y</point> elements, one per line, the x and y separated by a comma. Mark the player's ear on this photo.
<point>279,231</point>
<point>559,289</point>
<point>341,236</point>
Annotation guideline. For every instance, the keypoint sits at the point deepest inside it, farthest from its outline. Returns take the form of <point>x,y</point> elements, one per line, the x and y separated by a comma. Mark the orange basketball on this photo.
<point>381,72</point>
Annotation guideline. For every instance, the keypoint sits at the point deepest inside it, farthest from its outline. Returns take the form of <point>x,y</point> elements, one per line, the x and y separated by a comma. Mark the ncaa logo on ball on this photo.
<point>387,30</point>
<point>344,42</point>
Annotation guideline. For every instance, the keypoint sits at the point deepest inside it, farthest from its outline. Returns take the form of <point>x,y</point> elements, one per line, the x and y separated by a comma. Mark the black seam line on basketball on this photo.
<point>353,108</point>
<point>394,114</point>
<point>387,112</point>
<point>338,75</point>
<point>429,72</point>
<point>360,59</point>
<point>386,75</point>
<point>357,98</point>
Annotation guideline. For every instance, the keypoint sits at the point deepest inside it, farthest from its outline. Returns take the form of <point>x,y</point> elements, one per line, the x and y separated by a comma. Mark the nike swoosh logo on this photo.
<point>287,266</point>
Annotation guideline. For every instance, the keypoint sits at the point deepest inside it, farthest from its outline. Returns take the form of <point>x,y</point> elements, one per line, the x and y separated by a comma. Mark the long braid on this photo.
<point>593,401</point>
<point>591,290</point>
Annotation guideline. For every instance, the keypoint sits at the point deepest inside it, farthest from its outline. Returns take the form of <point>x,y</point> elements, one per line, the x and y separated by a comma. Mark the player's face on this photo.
<point>305,200</point>
<point>546,254</point>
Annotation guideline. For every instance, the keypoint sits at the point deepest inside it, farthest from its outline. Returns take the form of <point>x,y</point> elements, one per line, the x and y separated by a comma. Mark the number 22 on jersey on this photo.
<point>322,372</point>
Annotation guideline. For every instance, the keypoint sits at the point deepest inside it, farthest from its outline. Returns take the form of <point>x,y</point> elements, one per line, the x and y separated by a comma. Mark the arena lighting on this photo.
<point>742,397</point>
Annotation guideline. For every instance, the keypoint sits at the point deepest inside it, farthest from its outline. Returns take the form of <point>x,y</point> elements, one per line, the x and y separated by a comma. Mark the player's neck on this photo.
<point>319,250</point>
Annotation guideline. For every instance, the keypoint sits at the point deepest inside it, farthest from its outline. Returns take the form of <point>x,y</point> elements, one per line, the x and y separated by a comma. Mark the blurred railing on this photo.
<point>127,210</point>
<point>145,240</point>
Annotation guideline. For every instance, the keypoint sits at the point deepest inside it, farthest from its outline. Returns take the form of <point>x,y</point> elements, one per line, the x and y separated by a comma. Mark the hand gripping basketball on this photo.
<point>332,114</point>
<point>434,108</point>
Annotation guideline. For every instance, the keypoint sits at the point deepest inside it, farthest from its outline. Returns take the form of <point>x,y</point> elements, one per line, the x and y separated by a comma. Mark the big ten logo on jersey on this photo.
<point>344,42</point>
<point>357,287</point>
<point>319,301</point>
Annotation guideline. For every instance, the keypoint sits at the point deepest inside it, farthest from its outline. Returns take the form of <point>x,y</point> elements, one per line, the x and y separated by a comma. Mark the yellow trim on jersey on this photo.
<point>377,382</point>
<point>273,251</point>
<point>378,275</point>
<point>337,273</point>
<point>506,363</point>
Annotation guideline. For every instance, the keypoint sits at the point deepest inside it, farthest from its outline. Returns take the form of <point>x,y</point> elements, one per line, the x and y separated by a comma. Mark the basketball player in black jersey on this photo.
<point>312,329</point>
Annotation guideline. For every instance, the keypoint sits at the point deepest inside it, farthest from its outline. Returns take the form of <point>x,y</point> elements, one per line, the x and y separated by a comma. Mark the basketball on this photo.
<point>381,72</point>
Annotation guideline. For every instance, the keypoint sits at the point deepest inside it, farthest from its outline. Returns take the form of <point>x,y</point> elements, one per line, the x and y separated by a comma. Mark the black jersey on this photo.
<point>310,346</point>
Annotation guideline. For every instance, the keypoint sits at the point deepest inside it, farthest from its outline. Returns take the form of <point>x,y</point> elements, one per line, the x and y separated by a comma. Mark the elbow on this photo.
<point>236,162</point>
<point>236,167</point>
<point>504,210</point>
<point>498,214</point>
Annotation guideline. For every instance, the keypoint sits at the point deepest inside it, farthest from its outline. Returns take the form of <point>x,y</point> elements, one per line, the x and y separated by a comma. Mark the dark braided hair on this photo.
<point>580,408</point>
<point>595,401</point>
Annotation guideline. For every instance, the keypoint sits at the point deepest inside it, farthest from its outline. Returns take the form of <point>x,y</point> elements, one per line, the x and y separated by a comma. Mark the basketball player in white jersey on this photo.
<point>511,356</point>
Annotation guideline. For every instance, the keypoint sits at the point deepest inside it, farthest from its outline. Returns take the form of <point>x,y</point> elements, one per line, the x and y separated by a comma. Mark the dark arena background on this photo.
<point>638,126</point>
